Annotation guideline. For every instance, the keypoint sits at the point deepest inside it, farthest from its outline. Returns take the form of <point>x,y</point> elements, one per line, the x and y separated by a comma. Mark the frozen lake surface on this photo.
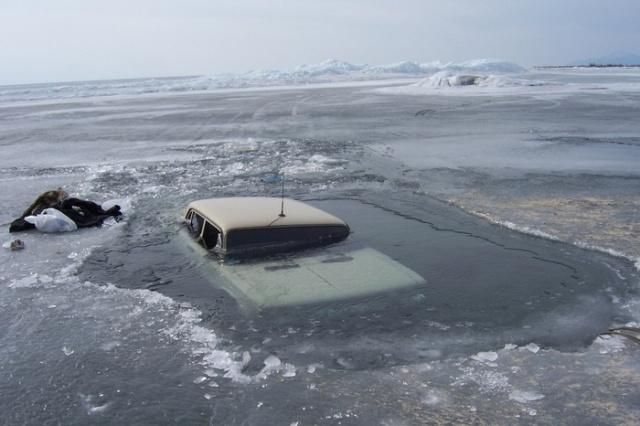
<point>519,205</point>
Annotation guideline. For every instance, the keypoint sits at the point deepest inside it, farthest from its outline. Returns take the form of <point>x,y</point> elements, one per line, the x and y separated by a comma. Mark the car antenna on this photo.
<point>282,199</point>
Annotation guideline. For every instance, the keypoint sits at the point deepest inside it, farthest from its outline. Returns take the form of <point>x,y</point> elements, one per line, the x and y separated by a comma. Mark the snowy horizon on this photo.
<point>342,67</point>
<point>333,66</point>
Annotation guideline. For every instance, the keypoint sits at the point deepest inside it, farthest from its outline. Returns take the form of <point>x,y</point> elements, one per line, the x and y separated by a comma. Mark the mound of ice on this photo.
<point>404,67</point>
<point>457,79</point>
<point>330,66</point>
<point>485,65</point>
<point>494,66</point>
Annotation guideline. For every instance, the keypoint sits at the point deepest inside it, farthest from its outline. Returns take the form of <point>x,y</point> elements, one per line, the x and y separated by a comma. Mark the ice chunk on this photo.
<point>289,370</point>
<point>272,362</point>
<point>87,402</point>
<point>109,345</point>
<point>609,344</point>
<point>98,408</point>
<point>209,372</point>
<point>246,358</point>
<point>532,347</point>
<point>28,281</point>
<point>313,367</point>
<point>524,396</point>
<point>199,380</point>
<point>485,356</point>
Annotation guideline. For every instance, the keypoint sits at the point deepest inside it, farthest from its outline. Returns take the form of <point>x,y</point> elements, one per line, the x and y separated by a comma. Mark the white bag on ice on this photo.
<point>52,220</point>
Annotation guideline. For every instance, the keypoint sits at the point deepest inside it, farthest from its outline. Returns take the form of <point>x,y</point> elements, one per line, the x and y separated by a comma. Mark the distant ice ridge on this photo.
<point>325,72</point>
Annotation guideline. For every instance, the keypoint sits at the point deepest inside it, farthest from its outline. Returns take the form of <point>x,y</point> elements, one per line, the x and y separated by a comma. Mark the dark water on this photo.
<point>496,286</point>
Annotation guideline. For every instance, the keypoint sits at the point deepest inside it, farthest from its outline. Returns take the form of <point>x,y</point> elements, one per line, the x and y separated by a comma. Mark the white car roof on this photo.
<point>259,212</point>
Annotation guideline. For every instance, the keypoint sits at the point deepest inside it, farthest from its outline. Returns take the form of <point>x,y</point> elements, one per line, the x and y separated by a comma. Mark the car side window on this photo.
<point>210,236</point>
<point>196,222</point>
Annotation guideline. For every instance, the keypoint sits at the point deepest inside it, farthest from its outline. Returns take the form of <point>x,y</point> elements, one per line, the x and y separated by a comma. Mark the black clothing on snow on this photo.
<point>84,213</point>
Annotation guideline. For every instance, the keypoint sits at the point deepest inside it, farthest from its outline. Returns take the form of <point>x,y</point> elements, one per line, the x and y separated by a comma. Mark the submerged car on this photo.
<point>261,225</point>
<point>320,266</point>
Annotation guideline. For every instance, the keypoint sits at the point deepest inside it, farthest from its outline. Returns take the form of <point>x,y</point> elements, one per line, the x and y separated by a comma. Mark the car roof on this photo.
<point>258,212</point>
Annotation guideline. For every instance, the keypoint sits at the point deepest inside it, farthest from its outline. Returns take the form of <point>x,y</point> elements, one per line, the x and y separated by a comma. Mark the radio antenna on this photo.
<point>282,198</point>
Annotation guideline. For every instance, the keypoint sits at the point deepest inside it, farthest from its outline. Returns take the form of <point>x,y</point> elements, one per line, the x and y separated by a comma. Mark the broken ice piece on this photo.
<point>485,356</point>
<point>199,380</point>
<point>246,358</point>
<point>272,361</point>
<point>525,396</point>
<point>209,372</point>
<point>532,347</point>
<point>289,370</point>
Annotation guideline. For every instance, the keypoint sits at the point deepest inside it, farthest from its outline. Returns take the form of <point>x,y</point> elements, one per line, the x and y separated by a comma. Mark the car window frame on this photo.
<point>199,238</point>
<point>267,243</point>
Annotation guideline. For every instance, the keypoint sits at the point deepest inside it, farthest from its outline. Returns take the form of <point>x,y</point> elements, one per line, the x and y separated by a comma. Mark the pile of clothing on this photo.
<point>54,211</point>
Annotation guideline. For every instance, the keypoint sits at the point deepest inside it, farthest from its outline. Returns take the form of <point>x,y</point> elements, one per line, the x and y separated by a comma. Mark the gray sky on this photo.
<point>61,40</point>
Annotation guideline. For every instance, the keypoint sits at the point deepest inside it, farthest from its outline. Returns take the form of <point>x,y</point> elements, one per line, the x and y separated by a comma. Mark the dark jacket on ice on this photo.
<point>83,213</point>
<point>86,213</point>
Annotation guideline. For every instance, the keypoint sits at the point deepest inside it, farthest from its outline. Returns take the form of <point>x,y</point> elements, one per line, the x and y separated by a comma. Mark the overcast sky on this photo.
<point>61,40</point>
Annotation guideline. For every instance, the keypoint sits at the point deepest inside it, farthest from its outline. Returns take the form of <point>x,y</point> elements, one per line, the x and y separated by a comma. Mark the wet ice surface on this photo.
<point>123,325</point>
